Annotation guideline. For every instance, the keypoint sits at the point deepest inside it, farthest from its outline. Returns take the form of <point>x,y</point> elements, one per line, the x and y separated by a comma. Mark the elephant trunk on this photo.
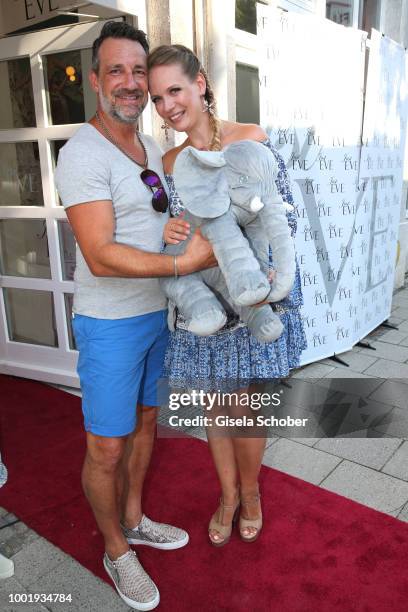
<point>274,220</point>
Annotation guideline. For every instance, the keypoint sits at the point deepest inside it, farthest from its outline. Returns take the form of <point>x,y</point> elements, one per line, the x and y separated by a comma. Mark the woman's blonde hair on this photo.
<point>166,55</point>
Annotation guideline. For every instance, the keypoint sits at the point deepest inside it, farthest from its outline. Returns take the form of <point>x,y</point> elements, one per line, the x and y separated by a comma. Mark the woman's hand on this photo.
<point>176,230</point>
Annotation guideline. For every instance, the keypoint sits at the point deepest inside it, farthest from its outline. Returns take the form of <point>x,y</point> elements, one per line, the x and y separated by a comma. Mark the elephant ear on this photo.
<point>200,182</point>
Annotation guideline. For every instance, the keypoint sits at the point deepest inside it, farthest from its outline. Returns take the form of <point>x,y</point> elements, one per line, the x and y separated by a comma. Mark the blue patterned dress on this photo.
<point>232,358</point>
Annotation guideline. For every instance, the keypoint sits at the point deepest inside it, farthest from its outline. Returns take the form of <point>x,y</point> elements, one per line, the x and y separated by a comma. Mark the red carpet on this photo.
<point>318,551</point>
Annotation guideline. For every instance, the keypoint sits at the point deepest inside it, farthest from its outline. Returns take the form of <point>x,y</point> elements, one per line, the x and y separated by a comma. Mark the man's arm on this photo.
<point>93,225</point>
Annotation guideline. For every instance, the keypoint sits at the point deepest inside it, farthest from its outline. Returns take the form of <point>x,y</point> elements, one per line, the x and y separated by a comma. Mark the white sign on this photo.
<point>311,94</point>
<point>382,158</point>
<point>19,14</point>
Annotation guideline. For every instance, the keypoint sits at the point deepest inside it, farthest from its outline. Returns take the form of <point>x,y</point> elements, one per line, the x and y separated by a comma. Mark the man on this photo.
<point>116,213</point>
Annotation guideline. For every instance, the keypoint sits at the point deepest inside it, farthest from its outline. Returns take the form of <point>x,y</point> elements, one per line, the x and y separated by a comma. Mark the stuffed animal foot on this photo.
<point>207,323</point>
<point>281,287</point>
<point>248,288</point>
<point>269,331</point>
<point>263,323</point>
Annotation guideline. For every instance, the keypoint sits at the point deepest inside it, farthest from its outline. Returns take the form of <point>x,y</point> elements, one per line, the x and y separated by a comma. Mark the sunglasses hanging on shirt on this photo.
<point>150,178</point>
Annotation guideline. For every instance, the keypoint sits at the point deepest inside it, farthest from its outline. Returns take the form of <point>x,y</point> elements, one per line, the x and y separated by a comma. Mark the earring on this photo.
<point>208,107</point>
<point>166,128</point>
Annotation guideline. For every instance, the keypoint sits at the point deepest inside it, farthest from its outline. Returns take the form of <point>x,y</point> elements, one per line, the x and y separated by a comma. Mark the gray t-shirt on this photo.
<point>91,168</point>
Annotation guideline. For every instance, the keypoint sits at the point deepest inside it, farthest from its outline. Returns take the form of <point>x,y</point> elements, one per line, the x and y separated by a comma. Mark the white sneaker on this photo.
<point>157,535</point>
<point>6,567</point>
<point>133,584</point>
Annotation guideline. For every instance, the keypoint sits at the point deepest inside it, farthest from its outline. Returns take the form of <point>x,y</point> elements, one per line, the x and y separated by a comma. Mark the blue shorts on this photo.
<point>120,362</point>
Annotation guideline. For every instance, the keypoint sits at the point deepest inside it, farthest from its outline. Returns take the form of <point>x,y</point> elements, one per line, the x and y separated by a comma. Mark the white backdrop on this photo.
<point>381,167</point>
<point>311,101</point>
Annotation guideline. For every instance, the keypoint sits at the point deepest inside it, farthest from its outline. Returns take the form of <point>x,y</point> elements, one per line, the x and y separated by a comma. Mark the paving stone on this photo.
<point>345,356</point>
<point>6,518</point>
<point>305,393</point>
<point>314,371</point>
<point>15,538</point>
<point>356,362</point>
<point>392,392</point>
<point>364,434</point>
<point>367,486</point>
<point>342,372</point>
<point>10,587</point>
<point>403,514</point>
<point>307,420</point>
<point>387,351</point>
<point>384,368</point>
<point>395,321</point>
<point>400,300</point>
<point>37,559</point>
<point>317,423</point>
<point>270,440</point>
<point>351,411</point>
<point>395,424</point>
<point>306,441</point>
<point>354,383</point>
<point>403,325</point>
<point>401,312</point>
<point>3,511</point>
<point>371,452</point>
<point>397,465</point>
<point>24,607</point>
<point>394,336</point>
<point>375,334</point>
<point>89,593</point>
<point>300,460</point>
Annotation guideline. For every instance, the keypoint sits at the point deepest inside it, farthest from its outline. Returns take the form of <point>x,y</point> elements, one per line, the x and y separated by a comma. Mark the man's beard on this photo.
<point>113,110</point>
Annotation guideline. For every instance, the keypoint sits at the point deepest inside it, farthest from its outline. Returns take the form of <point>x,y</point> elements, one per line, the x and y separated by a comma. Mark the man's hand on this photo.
<point>176,230</point>
<point>198,255</point>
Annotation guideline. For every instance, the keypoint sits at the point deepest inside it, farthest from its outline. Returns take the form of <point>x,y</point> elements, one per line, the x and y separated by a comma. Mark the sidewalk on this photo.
<point>371,469</point>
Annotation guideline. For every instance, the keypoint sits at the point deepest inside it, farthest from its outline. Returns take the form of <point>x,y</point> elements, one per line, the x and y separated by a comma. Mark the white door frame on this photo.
<point>56,365</point>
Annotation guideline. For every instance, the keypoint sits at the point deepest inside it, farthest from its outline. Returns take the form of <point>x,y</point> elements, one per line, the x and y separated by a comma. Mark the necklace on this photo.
<point>115,142</point>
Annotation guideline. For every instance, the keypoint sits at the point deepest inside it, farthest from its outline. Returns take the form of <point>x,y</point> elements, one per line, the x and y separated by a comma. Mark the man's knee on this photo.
<point>105,453</point>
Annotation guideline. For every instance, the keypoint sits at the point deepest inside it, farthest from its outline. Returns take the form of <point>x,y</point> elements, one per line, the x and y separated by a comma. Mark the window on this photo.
<point>245,15</point>
<point>343,12</point>
<point>247,94</point>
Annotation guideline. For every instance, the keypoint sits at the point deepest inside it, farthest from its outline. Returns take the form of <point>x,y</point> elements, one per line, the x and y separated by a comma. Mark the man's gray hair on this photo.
<point>117,29</point>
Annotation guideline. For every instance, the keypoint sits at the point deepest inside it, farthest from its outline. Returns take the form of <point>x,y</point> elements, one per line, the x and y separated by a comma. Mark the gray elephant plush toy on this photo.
<point>222,192</point>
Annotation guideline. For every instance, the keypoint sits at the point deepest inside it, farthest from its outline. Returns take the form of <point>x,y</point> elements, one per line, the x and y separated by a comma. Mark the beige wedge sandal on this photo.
<point>256,523</point>
<point>216,523</point>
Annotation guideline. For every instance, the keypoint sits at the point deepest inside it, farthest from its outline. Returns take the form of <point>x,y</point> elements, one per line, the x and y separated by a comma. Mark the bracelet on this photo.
<point>175,268</point>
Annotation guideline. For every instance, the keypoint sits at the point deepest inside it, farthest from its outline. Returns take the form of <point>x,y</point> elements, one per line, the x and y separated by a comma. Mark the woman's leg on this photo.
<point>238,461</point>
<point>222,452</point>
<point>249,450</point>
<point>248,454</point>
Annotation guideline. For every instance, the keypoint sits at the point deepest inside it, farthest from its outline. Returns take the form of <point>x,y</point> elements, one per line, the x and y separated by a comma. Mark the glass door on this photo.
<point>45,98</point>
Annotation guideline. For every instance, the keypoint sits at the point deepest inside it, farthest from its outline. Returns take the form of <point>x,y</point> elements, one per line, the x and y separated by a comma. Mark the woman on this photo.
<point>183,97</point>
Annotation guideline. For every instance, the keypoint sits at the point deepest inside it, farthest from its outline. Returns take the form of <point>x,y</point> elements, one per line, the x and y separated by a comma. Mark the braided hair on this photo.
<point>166,55</point>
